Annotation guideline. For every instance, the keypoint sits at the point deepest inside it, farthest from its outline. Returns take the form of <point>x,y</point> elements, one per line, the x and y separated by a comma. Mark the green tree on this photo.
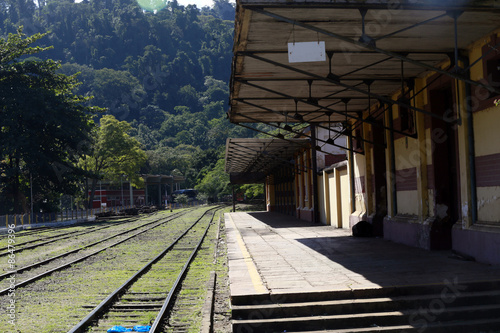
<point>182,199</point>
<point>120,91</point>
<point>114,153</point>
<point>44,126</point>
<point>165,72</point>
<point>215,183</point>
<point>252,191</point>
<point>224,9</point>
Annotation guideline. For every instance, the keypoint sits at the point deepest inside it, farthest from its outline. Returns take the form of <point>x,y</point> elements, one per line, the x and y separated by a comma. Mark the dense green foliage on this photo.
<point>44,126</point>
<point>166,73</point>
<point>113,154</point>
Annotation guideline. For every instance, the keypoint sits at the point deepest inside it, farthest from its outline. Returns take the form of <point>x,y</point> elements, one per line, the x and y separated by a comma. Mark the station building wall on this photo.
<point>280,192</point>
<point>481,239</point>
<point>417,189</point>
<point>336,185</point>
<point>304,186</point>
<point>428,198</point>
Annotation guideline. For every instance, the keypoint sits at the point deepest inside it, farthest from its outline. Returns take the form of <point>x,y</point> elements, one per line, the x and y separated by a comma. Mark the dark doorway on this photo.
<point>379,182</point>
<point>445,167</point>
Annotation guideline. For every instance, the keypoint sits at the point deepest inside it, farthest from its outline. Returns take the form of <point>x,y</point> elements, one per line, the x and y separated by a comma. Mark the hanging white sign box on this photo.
<point>306,52</point>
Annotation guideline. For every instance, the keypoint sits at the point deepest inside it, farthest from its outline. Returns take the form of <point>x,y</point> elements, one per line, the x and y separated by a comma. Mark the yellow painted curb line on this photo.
<point>252,269</point>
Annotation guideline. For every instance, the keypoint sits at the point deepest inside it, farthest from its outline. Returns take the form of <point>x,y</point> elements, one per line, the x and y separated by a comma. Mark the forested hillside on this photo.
<point>165,72</point>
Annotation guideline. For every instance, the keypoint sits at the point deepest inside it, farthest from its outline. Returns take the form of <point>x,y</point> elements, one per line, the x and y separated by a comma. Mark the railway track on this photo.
<point>151,291</point>
<point>39,241</point>
<point>61,263</point>
<point>62,242</point>
<point>34,231</point>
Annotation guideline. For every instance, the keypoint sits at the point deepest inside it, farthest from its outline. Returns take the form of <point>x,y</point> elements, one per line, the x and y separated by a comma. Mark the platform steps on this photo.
<point>448,307</point>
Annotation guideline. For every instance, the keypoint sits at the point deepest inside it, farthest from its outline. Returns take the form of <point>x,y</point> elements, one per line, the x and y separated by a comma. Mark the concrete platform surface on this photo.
<point>271,253</point>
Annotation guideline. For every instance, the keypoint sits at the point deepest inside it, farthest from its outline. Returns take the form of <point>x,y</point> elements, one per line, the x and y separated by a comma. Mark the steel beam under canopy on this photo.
<point>425,35</point>
<point>251,160</point>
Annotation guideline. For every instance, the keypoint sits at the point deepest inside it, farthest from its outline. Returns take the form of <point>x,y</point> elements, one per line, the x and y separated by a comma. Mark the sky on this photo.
<point>198,3</point>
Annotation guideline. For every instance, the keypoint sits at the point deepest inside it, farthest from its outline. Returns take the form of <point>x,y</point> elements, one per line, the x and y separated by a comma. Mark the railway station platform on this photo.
<point>288,275</point>
<point>271,253</point>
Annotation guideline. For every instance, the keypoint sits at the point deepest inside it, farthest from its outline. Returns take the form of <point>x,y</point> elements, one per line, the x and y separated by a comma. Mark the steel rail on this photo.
<point>40,263</point>
<point>63,236</point>
<point>106,303</point>
<point>46,241</point>
<point>30,231</point>
<point>155,327</point>
<point>66,265</point>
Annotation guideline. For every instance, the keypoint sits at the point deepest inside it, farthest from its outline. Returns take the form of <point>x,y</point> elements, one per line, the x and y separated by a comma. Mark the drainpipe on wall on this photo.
<point>314,175</point>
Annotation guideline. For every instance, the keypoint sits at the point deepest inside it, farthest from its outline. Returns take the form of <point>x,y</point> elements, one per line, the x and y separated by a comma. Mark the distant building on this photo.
<point>157,191</point>
<point>113,195</point>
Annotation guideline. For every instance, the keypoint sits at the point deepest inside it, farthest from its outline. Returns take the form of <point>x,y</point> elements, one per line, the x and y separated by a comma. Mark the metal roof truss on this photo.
<point>363,67</point>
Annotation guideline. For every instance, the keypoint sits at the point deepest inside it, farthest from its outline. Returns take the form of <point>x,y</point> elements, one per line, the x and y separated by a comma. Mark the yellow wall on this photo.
<point>487,138</point>
<point>322,201</point>
<point>407,153</point>
<point>345,197</point>
<point>338,206</point>
<point>417,153</point>
<point>335,207</point>
<point>487,131</point>
<point>271,201</point>
<point>360,171</point>
<point>407,157</point>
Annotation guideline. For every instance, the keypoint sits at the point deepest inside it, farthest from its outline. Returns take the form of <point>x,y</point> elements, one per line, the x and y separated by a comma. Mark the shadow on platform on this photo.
<point>292,255</point>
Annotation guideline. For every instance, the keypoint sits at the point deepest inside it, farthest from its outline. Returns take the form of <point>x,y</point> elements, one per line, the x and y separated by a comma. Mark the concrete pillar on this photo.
<point>370,202</point>
<point>422,182</point>
<point>392,206</point>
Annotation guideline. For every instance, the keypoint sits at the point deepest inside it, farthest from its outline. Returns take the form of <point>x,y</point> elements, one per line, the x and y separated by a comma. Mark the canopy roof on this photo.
<point>251,160</point>
<point>373,49</point>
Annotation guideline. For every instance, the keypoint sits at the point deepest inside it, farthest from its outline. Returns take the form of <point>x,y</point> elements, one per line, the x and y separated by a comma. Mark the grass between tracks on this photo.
<point>187,311</point>
<point>56,303</point>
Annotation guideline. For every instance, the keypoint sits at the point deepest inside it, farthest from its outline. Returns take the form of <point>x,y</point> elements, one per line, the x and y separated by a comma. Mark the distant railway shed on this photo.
<point>411,87</point>
<point>159,187</point>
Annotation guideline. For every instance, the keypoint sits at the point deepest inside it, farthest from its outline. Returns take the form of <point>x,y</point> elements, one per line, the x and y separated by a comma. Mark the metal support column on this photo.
<point>314,167</point>
<point>393,164</point>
